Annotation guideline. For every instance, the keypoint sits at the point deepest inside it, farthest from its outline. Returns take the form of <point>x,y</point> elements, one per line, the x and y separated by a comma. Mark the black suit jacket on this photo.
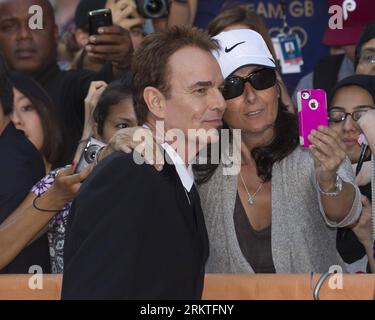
<point>132,234</point>
<point>21,166</point>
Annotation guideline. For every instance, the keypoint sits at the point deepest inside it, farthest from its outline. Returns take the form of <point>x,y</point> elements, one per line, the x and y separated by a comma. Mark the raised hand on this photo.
<point>112,44</point>
<point>328,152</point>
<point>124,13</point>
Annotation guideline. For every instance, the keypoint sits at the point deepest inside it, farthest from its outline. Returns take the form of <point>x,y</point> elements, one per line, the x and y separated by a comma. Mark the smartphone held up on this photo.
<point>312,113</point>
<point>99,18</point>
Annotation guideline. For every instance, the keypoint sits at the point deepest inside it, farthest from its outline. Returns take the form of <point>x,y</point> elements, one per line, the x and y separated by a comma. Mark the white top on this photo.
<point>184,172</point>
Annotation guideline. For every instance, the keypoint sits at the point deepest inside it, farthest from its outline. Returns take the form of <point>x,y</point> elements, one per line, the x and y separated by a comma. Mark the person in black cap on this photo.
<point>349,102</point>
<point>35,52</point>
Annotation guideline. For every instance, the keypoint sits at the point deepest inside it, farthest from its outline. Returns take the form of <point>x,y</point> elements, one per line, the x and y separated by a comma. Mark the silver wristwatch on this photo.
<point>338,188</point>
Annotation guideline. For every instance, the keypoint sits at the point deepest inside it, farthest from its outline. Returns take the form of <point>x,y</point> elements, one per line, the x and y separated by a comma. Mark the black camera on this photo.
<point>89,153</point>
<point>153,9</point>
<point>99,18</point>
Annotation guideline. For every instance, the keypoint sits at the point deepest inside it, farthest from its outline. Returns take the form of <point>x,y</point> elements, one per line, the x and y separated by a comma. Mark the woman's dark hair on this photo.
<point>6,88</point>
<point>43,105</point>
<point>116,92</point>
<point>367,35</point>
<point>286,140</point>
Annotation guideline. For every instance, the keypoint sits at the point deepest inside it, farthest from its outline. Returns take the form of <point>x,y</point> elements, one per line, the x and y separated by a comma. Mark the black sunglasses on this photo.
<point>260,80</point>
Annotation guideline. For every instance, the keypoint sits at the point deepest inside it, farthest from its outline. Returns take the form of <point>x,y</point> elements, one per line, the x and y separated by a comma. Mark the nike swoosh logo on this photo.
<point>231,48</point>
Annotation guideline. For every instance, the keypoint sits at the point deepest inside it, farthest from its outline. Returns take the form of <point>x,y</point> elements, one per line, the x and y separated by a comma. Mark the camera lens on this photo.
<point>90,153</point>
<point>305,95</point>
<point>154,8</point>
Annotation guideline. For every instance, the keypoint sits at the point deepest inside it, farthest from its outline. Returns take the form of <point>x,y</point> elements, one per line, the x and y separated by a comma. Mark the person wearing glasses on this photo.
<point>279,214</point>
<point>351,104</point>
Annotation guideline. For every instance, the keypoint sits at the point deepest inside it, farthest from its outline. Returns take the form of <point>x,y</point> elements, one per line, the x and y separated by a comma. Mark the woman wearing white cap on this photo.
<point>243,17</point>
<point>280,213</point>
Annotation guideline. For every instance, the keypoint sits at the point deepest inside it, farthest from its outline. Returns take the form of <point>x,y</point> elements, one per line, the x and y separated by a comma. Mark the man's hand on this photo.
<point>362,228</point>
<point>112,44</point>
<point>364,176</point>
<point>367,120</point>
<point>124,13</point>
<point>366,123</point>
<point>123,140</point>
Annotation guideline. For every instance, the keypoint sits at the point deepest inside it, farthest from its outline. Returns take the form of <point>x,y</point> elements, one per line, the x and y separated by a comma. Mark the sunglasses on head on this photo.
<point>260,80</point>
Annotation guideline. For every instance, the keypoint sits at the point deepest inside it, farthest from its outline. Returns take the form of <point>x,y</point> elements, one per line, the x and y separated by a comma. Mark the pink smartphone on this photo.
<point>312,112</point>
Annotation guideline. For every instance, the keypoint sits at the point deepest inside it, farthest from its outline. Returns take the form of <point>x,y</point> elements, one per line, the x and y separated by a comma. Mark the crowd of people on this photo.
<point>124,218</point>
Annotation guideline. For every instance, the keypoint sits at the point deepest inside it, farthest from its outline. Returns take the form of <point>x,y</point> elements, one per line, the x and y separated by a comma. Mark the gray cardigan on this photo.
<point>303,239</point>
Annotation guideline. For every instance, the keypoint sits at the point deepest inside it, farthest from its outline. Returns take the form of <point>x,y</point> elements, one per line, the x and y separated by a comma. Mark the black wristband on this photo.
<point>43,210</point>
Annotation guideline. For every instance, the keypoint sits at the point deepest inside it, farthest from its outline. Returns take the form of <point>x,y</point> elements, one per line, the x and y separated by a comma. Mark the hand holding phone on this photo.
<point>67,183</point>
<point>312,112</point>
<point>113,44</point>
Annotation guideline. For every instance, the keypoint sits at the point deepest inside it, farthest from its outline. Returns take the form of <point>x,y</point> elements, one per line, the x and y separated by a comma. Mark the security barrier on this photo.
<point>221,287</point>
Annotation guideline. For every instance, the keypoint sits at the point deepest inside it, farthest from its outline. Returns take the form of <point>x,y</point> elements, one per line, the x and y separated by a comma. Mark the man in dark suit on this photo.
<point>136,233</point>
<point>21,166</point>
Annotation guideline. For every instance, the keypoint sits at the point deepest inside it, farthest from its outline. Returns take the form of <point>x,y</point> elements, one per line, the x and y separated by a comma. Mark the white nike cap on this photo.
<point>240,48</point>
